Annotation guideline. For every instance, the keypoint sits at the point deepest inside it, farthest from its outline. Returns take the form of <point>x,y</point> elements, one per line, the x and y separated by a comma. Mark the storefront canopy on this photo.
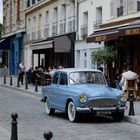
<point>112,33</point>
<point>4,43</point>
<point>62,44</point>
<point>42,45</point>
<point>131,29</point>
<point>103,35</point>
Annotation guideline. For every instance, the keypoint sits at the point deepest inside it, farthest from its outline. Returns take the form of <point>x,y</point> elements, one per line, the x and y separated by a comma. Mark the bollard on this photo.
<point>14,122</point>
<point>48,135</point>
<point>18,85</point>
<point>36,86</point>
<point>11,83</point>
<point>26,82</point>
<point>4,79</point>
<point>131,106</point>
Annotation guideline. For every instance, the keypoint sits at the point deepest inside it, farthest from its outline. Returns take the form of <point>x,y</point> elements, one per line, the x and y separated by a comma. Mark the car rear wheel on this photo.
<point>73,115</point>
<point>49,111</point>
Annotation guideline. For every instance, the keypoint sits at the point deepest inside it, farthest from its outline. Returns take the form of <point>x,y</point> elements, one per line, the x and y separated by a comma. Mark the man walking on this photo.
<point>21,71</point>
<point>127,76</point>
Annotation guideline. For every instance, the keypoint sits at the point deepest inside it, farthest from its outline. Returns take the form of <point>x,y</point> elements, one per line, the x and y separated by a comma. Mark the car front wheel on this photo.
<point>72,113</point>
<point>49,111</point>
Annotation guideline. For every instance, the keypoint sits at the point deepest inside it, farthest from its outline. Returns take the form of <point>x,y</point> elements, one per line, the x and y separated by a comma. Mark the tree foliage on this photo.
<point>104,55</point>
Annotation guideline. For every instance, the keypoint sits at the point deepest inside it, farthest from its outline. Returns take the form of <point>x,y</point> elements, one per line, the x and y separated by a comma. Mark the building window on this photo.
<point>55,14</point>
<point>138,5</point>
<point>112,5</point>
<point>33,2</point>
<point>120,8</point>
<point>28,3</point>
<point>130,5</point>
<point>119,11</point>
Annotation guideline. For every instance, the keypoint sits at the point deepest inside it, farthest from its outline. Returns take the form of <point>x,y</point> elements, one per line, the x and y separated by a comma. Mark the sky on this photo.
<point>1,9</point>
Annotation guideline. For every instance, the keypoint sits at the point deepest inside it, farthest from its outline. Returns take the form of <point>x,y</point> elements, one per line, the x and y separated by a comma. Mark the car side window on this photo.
<point>55,78</point>
<point>63,79</point>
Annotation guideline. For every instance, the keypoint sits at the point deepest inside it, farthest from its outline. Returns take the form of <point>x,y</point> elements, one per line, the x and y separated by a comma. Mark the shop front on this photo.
<point>54,51</point>
<point>125,37</point>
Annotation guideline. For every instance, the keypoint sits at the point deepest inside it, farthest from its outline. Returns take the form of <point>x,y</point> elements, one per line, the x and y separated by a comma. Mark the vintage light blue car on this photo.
<point>76,91</point>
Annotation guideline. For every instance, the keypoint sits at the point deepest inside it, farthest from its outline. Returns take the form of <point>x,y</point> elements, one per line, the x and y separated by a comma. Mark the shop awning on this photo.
<point>103,35</point>
<point>42,45</point>
<point>62,44</point>
<point>131,29</point>
<point>4,43</point>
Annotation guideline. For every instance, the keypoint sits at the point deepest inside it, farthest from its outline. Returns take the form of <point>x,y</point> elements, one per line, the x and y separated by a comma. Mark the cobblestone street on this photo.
<point>33,121</point>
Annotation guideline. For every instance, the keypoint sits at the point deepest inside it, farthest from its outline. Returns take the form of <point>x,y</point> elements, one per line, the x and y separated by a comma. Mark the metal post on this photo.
<point>131,106</point>
<point>11,83</point>
<point>26,82</point>
<point>14,122</point>
<point>36,86</point>
<point>48,135</point>
<point>18,85</point>
<point>4,79</point>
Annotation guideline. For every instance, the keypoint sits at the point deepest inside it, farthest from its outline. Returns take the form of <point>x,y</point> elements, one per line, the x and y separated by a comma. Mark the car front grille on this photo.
<point>104,102</point>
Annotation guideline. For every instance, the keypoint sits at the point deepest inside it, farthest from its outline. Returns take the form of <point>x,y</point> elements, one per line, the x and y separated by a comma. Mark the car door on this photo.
<point>63,90</point>
<point>53,91</point>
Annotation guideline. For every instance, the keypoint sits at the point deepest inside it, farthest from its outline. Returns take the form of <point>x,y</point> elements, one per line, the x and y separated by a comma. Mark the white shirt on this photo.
<point>129,75</point>
<point>22,67</point>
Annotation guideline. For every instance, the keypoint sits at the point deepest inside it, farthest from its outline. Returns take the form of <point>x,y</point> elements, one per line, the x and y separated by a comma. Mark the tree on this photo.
<point>105,55</point>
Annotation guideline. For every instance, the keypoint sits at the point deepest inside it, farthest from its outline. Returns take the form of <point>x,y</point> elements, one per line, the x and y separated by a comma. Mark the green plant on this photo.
<point>104,55</point>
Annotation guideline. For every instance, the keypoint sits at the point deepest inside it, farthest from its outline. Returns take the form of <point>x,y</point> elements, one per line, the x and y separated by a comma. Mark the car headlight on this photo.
<point>123,98</point>
<point>83,98</point>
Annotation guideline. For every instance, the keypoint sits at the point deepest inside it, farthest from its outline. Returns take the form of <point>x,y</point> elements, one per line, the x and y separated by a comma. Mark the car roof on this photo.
<point>68,70</point>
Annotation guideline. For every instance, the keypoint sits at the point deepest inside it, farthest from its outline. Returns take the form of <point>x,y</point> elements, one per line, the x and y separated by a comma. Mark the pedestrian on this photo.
<point>53,70</point>
<point>126,77</point>
<point>21,71</point>
<point>117,79</point>
<point>60,67</point>
<point>30,74</point>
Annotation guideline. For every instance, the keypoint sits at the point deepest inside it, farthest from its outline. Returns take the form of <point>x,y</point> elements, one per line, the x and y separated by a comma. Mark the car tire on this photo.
<point>118,116</point>
<point>73,115</point>
<point>49,111</point>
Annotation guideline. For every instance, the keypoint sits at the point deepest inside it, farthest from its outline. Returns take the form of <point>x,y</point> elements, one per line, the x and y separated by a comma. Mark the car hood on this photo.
<point>97,90</point>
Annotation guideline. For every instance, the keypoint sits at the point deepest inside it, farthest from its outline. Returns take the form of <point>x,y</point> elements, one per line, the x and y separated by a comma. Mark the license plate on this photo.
<point>103,112</point>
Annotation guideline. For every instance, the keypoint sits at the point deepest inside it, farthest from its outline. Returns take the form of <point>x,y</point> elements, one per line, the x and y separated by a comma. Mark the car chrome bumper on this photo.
<point>100,109</point>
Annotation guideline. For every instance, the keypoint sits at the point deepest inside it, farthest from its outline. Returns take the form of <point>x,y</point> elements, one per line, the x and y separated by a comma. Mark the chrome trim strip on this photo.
<point>100,108</point>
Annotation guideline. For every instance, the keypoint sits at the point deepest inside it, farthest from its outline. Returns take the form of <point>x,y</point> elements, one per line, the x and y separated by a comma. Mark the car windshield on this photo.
<point>87,77</point>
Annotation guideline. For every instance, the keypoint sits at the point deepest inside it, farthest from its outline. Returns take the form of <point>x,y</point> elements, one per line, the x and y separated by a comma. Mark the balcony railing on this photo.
<point>33,35</point>
<point>71,24</point>
<point>39,34</point>
<point>46,32</point>
<point>54,29</point>
<point>97,23</point>
<point>119,11</point>
<point>62,26</point>
<point>84,31</point>
<point>28,37</point>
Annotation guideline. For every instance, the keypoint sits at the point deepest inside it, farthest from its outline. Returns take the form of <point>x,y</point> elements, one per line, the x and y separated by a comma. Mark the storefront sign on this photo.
<point>134,31</point>
<point>100,38</point>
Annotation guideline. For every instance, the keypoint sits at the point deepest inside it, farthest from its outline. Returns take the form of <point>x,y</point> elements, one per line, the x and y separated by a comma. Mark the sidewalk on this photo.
<point>31,90</point>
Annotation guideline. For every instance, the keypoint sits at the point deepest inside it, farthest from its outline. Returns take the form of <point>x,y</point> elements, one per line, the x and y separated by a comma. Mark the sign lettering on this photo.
<point>134,31</point>
<point>100,38</point>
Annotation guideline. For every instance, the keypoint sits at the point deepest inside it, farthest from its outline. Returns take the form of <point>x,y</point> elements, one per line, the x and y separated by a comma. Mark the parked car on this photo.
<point>77,91</point>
